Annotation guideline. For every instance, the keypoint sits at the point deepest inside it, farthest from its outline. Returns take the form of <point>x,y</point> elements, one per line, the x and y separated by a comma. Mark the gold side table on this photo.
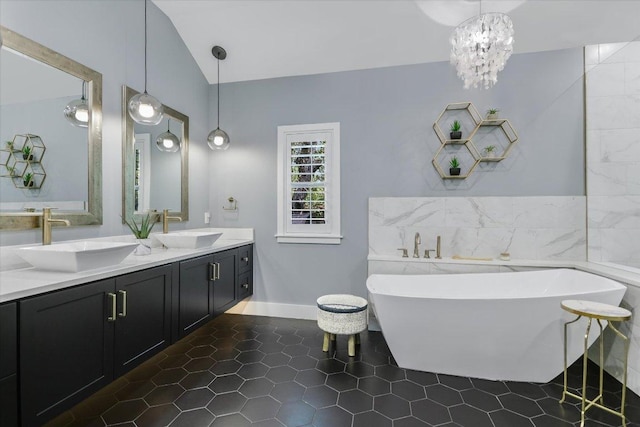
<point>594,310</point>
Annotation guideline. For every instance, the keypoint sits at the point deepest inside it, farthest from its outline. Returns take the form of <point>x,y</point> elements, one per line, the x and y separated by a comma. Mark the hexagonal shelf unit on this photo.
<point>483,133</point>
<point>465,113</point>
<point>24,170</point>
<point>486,134</point>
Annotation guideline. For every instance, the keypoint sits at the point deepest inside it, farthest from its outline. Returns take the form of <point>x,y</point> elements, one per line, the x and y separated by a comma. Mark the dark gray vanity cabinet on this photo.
<point>195,294</point>
<point>245,272</point>
<point>8,365</point>
<point>224,283</point>
<point>66,349</point>
<point>75,341</point>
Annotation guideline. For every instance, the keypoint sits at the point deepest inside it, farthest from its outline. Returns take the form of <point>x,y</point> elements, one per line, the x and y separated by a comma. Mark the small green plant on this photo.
<point>454,163</point>
<point>26,153</point>
<point>490,149</point>
<point>27,179</point>
<point>455,126</point>
<point>143,231</point>
<point>11,170</point>
<point>492,111</point>
<point>10,145</point>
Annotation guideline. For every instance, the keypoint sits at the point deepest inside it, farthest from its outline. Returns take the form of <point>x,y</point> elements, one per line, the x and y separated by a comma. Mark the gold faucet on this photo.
<point>165,220</point>
<point>46,225</point>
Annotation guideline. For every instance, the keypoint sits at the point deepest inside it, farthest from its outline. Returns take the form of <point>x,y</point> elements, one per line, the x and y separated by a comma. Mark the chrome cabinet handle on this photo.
<point>218,270</point>
<point>112,297</point>
<point>124,304</point>
<point>245,259</point>
<point>245,286</point>
<point>212,272</point>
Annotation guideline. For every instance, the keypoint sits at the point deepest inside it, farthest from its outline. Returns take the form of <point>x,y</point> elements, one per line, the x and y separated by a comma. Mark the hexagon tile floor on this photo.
<point>259,371</point>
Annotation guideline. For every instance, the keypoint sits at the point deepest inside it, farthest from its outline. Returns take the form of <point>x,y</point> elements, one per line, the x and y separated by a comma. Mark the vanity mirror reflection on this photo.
<point>37,84</point>
<point>154,176</point>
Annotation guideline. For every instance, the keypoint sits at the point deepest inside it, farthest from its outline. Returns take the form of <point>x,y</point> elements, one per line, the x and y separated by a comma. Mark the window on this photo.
<point>309,184</point>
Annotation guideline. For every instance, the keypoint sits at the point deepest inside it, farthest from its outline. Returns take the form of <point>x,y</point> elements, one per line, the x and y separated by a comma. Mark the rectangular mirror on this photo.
<point>45,160</point>
<point>154,179</point>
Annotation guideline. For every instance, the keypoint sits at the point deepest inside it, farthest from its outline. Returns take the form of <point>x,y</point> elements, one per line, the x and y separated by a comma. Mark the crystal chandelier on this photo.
<point>481,47</point>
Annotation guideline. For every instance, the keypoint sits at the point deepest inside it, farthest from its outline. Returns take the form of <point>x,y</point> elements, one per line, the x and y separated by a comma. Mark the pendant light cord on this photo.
<point>218,93</point>
<point>145,46</point>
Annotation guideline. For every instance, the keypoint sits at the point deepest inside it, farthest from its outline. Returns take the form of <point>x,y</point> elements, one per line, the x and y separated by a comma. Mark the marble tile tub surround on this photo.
<point>613,151</point>
<point>539,228</point>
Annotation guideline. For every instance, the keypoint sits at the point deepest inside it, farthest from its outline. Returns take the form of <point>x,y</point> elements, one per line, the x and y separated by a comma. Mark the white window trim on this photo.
<point>332,236</point>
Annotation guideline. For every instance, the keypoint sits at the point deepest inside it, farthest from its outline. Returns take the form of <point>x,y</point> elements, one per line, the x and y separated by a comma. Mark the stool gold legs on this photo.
<point>353,341</point>
<point>586,403</point>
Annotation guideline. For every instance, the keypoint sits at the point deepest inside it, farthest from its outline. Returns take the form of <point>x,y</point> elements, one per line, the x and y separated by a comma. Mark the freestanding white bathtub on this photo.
<point>498,326</point>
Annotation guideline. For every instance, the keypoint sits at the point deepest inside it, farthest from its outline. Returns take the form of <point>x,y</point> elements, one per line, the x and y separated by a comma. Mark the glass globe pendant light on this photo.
<point>218,139</point>
<point>144,108</point>
<point>77,111</point>
<point>167,141</point>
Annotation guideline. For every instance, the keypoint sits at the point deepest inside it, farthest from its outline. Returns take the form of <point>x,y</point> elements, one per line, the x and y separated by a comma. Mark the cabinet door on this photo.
<point>8,365</point>
<point>66,349</point>
<point>245,258</point>
<point>245,285</point>
<point>196,293</point>
<point>143,325</point>
<point>224,285</point>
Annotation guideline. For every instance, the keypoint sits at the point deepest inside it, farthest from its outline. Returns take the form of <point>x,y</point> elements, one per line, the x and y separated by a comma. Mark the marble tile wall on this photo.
<point>613,152</point>
<point>527,227</point>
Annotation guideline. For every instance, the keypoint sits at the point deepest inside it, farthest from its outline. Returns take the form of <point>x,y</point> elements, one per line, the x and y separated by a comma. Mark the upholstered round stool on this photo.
<point>599,311</point>
<point>342,314</point>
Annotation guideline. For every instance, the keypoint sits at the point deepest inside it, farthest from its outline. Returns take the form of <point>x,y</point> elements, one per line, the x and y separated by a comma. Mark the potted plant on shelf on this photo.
<point>141,233</point>
<point>490,151</point>
<point>11,170</point>
<point>454,166</point>
<point>492,114</point>
<point>455,133</point>
<point>27,180</point>
<point>9,145</point>
<point>26,153</point>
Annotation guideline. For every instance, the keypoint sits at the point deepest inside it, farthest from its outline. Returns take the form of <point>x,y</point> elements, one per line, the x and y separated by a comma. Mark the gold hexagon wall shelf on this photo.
<point>467,114</point>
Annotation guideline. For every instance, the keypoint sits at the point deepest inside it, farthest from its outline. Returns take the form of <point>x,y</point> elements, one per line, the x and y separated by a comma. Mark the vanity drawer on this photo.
<point>245,285</point>
<point>245,258</point>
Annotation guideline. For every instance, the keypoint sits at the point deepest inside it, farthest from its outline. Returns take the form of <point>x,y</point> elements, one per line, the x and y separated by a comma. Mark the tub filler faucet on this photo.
<point>416,244</point>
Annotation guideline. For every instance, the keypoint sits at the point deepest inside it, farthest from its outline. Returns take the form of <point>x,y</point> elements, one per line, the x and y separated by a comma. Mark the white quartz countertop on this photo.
<point>24,282</point>
<point>626,275</point>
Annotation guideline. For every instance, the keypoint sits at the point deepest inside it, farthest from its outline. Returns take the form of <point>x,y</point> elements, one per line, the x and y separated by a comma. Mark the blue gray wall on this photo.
<point>386,118</point>
<point>111,41</point>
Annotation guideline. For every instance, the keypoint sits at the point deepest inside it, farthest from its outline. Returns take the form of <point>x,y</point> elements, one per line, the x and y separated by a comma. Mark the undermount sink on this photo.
<point>76,256</point>
<point>188,239</point>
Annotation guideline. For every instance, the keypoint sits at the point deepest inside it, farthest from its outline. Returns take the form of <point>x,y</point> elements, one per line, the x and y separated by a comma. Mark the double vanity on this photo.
<point>66,335</point>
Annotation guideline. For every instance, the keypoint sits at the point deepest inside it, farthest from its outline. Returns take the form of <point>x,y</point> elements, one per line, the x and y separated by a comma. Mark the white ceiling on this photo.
<point>276,38</point>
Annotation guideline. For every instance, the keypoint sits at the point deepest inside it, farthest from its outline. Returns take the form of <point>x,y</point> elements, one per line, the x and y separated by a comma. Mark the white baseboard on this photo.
<point>272,309</point>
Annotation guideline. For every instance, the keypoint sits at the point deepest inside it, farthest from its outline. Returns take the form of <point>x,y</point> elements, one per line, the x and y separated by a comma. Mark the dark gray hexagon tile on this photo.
<point>494,387</point>
<point>330,366</point>
<point>296,350</point>
<point>390,373</point>
<point>260,408</point>
<point>253,370</point>
<point>391,406</point>
<point>276,359</point>
<point>454,382</point>
<point>197,380</point>
<point>268,423</point>
<point>481,400</point>
<point>332,416</point>
<point>281,374</point>
<point>158,416</point>
<point>290,339</point>
<point>248,345</point>
<point>169,376</point>
<point>227,403</point>
<point>295,414</point>
<point>430,412</point>
<point>134,390</point>
<point>505,418</point>
<point>197,417</point>
<point>532,391</point>
<point>225,367</point>
<point>125,411</point>
<point>549,421</point>
<point>520,405</point>
<point>342,381</point>
<point>422,378</point>
<point>408,390</point>
<point>565,411</point>
<point>287,392</point>
<point>203,340</point>
<point>192,399</point>
<point>355,401</point>
<point>174,361</point>
<point>226,383</point>
<point>271,347</point>
<point>164,394</point>
<point>202,351</point>
<point>200,364</point>
<point>374,386</point>
<point>251,356</point>
<point>374,359</point>
<point>224,354</point>
<point>302,362</point>
<point>310,377</point>
<point>320,396</point>
<point>370,419</point>
<point>466,415</point>
<point>409,422</point>
<point>359,369</point>
<point>256,387</point>
<point>443,394</point>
